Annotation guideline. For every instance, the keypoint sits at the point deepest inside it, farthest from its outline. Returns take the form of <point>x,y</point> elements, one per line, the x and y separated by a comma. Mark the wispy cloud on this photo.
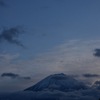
<point>14,76</point>
<point>11,35</point>
<point>88,75</point>
<point>11,75</point>
<point>7,56</point>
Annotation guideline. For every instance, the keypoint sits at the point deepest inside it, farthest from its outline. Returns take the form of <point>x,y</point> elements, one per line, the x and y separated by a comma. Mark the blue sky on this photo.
<point>59,36</point>
<point>56,20</point>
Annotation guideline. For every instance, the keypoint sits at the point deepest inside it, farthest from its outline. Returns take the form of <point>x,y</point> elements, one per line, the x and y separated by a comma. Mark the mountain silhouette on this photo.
<point>61,82</point>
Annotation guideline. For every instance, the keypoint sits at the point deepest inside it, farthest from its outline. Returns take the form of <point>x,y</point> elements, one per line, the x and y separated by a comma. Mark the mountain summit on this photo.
<point>61,82</point>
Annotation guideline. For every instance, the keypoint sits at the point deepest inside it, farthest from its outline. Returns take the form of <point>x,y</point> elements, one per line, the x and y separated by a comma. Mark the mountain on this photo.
<point>56,87</point>
<point>59,82</point>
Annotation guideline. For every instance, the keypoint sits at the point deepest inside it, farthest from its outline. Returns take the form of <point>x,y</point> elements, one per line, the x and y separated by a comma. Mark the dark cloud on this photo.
<point>2,3</point>
<point>14,76</point>
<point>11,75</point>
<point>97,83</point>
<point>11,35</point>
<point>97,52</point>
<point>91,75</point>
<point>27,78</point>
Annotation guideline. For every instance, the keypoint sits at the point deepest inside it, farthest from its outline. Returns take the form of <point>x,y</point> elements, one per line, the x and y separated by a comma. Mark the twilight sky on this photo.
<point>42,37</point>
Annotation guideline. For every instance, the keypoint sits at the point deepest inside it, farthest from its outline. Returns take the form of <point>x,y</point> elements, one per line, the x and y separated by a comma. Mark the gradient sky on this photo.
<point>59,36</point>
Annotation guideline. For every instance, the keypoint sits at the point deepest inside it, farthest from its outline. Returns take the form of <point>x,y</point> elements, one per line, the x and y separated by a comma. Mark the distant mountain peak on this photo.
<point>58,76</point>
<point>61,82</point>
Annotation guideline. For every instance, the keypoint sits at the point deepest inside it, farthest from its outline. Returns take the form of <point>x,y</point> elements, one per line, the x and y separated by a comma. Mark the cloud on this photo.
<point>91,75</point>
<point>97,52</point>
<point>11,35</point>
<point>26,78</point>
<point>6,57</point>
<point>11,75</point>
<point>96,85</point>
<point>2,3</point>
<point>14,76</point>
<point>97,82</point>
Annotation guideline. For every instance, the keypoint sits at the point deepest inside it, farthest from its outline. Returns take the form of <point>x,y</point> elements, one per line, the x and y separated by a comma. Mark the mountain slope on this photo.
<point>59,82</point>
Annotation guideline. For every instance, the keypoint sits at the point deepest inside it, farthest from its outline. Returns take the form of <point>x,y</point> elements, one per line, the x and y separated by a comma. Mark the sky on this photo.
<point>43,37</point>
